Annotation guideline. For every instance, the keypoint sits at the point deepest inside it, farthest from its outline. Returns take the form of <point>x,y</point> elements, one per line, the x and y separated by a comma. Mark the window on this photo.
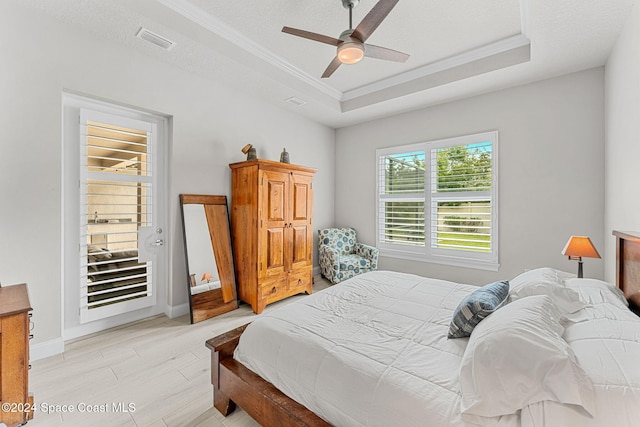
<point>437,201</point>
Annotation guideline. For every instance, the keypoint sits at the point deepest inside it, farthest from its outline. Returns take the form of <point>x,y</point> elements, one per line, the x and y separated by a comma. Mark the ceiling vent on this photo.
<point>156,39</point>
<point>296,101</point>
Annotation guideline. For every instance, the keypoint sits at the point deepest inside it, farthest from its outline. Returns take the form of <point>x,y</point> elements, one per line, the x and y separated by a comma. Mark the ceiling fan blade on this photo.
<point>372,51</point>
<point>374,18</point>
<point>331,68</point>
<point>312,36</point>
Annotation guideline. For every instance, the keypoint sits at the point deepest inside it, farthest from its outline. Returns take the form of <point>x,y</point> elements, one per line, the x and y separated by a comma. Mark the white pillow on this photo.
<point>543,274</point>
<point>516,357</point>
<point>594,291</point>
<point>547,281</point>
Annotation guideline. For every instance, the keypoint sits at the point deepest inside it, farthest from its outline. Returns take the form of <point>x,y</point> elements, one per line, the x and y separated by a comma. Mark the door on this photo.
<point>274,195</point>
<point>300,229</point>
<point>120,235</point>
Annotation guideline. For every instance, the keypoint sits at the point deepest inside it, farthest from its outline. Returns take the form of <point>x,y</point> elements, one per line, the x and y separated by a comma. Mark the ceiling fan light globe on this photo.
<point>350,52</point>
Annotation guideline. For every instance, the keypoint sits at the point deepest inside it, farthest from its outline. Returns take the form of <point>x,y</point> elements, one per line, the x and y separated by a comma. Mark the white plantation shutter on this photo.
<point>116,200</point>
<point>461,183</point>
<point>401,212</point>
<point>436,201</point>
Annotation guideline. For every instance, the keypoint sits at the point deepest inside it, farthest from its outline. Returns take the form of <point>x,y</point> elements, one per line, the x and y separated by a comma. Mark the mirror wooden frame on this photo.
<point>205,305</point>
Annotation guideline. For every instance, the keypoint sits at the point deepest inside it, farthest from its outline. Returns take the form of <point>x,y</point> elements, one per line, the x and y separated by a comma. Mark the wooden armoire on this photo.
<point>272,231</point>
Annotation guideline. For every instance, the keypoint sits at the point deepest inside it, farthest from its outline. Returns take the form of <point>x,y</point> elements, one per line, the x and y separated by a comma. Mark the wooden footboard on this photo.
<point>233,384</point>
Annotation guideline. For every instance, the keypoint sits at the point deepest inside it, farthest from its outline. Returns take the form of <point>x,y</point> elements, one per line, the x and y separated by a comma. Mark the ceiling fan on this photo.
<point>351,46</point>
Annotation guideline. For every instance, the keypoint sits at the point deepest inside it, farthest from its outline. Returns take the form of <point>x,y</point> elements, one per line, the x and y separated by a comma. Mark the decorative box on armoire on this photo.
<point>272,231</point>
<point>15,399</point>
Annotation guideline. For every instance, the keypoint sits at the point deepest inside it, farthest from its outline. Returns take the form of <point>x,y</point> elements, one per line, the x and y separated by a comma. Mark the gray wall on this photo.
<point>622,152</point>
<point>211,122</point>
<point>551,170</point>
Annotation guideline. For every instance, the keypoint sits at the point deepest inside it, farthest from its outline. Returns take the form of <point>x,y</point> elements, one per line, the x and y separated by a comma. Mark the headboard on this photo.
<point>628,266</point>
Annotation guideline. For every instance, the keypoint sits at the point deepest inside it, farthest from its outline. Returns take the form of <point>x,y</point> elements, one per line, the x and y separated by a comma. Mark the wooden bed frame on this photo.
<point>628,267</point>
<point>233,383</point>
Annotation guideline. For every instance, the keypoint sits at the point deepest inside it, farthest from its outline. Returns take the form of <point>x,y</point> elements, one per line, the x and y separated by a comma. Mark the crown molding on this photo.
<point>486,51</point>
<point>371,93</point>
<point>455,71</point>
<point>206,20</point>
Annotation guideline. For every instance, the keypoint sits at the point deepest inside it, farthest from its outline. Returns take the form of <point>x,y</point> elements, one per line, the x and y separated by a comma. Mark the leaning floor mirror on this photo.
<point>207,241</point>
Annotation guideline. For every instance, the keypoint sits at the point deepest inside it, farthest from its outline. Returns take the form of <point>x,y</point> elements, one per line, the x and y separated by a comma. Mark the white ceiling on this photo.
<point>458,48</point>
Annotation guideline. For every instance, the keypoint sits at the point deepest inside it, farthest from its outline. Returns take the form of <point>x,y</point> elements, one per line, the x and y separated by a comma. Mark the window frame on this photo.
<point>427,253</point>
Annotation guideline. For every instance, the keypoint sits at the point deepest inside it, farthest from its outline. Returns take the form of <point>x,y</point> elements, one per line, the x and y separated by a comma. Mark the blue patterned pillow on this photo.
<point>476,306</point>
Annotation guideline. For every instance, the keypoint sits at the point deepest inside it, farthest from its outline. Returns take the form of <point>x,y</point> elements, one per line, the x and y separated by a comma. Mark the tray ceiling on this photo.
<point>458,48</point>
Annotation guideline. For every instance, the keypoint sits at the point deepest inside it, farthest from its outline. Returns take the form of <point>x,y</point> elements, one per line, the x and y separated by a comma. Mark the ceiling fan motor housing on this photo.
<point>350,3</point>
<point>351,50</point>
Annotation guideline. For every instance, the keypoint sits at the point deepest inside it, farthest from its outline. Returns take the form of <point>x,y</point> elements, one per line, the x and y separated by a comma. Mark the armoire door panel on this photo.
<point>276,196</point>
<point>275,248</point>
<point>301,188</point>
<point>300,201</point>
<point>300,244</point>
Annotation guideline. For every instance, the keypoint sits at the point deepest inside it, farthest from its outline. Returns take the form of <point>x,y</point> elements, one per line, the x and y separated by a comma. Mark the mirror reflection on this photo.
<point>203,271</point>
<point>209,261</point>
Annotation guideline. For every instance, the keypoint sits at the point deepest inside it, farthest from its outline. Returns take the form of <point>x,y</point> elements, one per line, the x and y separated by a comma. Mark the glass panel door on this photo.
<point>116,202</point>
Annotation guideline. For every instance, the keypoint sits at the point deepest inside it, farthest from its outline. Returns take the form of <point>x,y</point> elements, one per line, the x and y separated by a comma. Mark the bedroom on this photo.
<point>581,152</point>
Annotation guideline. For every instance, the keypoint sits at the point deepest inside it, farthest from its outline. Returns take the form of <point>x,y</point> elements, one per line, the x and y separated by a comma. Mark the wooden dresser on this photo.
<point>14,355</point>
<point>271,224</point>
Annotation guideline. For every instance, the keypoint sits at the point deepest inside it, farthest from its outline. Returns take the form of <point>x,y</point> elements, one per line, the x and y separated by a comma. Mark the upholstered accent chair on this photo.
<point>341,256</point>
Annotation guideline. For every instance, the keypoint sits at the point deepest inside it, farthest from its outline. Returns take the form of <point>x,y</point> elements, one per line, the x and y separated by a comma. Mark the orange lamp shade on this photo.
<point>580,246</point>
<point>206,277</point>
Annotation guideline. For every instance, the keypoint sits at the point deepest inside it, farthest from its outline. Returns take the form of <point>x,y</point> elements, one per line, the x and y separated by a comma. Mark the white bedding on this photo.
<point>373,351</point>
<point>607,346</point>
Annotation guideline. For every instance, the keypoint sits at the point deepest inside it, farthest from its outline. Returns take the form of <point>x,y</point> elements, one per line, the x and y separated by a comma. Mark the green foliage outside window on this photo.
<point>461,168</point>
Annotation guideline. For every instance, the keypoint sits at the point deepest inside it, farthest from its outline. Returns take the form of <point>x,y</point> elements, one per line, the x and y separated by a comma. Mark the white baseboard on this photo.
<point>109,322</point>
<point>173,311</point>
<point>45,349</point>
<point>56,345</point>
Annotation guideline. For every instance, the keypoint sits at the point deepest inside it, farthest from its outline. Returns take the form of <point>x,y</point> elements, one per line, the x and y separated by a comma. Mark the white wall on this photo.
<point>622,148</point>
<point>40,58</point>
<point>551,179</point>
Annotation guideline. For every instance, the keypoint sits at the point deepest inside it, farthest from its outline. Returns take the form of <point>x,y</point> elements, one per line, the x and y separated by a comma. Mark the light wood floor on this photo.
<point>160,366</point>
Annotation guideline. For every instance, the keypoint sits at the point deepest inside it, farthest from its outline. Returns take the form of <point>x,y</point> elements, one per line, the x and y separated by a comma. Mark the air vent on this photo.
<point>156,39</point>
<point>296,101</point>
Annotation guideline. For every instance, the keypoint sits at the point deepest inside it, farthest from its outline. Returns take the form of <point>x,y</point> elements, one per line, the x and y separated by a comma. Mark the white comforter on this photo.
<point>373,351</point>
<point>606,343</point>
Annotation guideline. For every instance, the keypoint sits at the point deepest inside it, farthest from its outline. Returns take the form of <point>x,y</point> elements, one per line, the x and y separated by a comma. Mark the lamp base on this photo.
<point>579,269</point>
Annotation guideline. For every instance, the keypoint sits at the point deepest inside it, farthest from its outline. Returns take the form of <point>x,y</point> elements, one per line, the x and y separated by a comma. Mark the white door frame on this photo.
<point>70,283</point>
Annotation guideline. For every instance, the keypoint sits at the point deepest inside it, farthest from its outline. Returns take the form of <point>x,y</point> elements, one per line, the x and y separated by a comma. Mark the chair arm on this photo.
<point>331,255</point>
<point>329,260</point>
<point>369,252</point>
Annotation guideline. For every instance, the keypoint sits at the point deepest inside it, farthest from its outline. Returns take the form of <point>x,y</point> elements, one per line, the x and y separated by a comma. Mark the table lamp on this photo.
<point>578,247</point>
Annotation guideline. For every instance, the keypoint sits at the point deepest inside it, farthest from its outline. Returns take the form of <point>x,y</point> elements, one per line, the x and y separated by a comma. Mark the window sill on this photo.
<point>435,259</point>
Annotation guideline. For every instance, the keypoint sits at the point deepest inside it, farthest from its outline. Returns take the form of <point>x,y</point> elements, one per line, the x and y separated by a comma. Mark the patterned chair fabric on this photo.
<point>342,257</point>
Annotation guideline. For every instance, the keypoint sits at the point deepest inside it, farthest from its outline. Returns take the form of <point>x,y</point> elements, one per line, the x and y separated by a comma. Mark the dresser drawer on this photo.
<point>300,281</point>
<point>273,291</point>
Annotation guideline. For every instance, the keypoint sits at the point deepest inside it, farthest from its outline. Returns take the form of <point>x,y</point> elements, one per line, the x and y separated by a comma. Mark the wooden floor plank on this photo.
<point>159,365</point>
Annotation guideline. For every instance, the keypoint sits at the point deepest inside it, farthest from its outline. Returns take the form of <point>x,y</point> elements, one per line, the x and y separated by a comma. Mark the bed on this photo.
<point>374,351</point>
